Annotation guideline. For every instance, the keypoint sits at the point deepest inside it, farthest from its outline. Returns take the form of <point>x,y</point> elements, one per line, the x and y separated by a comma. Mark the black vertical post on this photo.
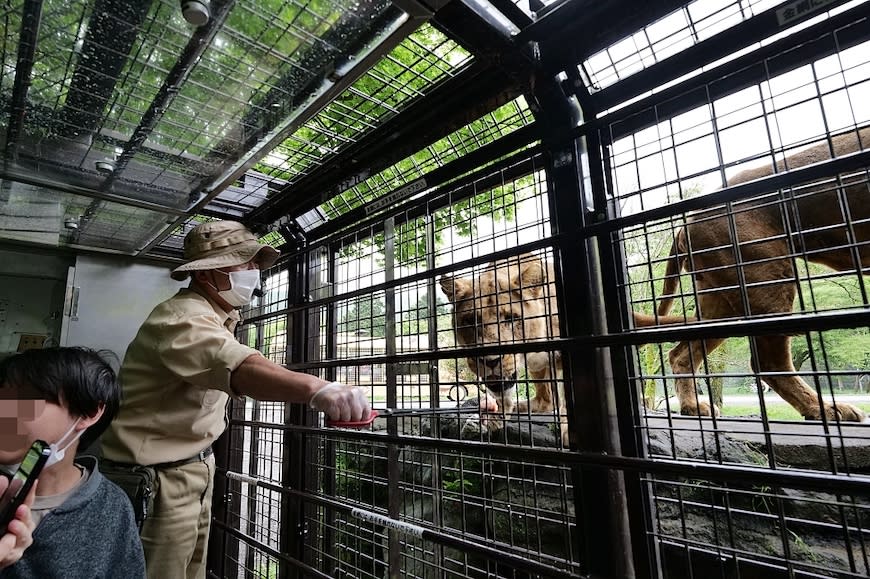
<point>223,547</point>
<point>394,500</point>
<point>434,382</point>
<point>627,397</point>
<point>599,495</point>
<point>293,525</point>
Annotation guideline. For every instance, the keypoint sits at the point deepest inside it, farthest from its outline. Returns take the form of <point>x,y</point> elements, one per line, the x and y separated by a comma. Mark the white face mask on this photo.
<point>57,454</point>
<point>242,286</point>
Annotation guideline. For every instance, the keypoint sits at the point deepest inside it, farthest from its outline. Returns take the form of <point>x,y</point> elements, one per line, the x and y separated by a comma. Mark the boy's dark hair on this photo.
<point>78,378</point>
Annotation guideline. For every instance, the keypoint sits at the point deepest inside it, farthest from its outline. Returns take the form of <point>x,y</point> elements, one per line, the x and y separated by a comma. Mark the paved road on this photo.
<point>772,397</point>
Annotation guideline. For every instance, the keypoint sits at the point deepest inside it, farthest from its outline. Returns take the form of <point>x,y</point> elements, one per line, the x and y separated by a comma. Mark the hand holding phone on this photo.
<point>21,483</point>
<point>19,533</point>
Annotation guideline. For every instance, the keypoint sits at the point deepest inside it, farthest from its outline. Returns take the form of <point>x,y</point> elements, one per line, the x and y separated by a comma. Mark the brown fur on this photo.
<point>706,248</point>
<point>507,303</point>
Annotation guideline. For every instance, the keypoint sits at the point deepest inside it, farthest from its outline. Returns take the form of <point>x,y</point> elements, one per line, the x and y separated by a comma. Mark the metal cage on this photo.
<point>539,267</point>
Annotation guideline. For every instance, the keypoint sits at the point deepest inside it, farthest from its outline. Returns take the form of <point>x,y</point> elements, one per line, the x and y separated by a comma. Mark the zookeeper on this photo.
<point>177,377</point>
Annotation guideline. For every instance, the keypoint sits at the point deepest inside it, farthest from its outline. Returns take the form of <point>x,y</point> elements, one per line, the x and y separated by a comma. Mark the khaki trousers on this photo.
<point>175,534</point>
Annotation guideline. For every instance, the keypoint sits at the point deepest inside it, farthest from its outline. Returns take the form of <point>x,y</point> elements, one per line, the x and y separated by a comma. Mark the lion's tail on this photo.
<point>676,260</point>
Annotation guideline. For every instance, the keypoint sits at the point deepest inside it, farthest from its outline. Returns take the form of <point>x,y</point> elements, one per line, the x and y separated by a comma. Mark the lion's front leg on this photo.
<point>546,370</point>
<point>540,366</point>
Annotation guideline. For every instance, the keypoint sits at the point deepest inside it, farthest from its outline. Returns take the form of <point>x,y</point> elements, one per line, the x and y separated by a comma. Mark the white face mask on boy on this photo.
<point>242,286</point>
<point>57,454</point>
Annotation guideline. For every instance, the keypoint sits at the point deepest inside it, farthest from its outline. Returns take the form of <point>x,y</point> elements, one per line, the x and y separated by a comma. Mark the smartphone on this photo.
<point>22,482</point>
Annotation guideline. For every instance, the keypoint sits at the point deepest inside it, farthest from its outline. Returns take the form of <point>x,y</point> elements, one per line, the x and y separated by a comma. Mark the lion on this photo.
<point>811,225</point>
<point>513,300</point>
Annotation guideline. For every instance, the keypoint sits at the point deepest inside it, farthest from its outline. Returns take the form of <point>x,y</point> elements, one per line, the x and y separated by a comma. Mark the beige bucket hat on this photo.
<point>217,244</point>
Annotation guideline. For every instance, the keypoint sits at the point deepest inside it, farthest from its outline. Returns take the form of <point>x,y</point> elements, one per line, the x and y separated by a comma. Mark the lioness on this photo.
<point>823,224</point>
<point>514,300</point>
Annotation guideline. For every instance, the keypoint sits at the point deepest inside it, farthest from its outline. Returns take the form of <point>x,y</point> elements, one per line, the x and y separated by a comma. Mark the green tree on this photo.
<point>364,316</point>
<point>416,320</point>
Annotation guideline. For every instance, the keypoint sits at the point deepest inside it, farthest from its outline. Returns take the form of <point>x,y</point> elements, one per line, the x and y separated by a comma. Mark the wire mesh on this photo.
<point>748,258</point>
<point>690,25</point>
<point>378,317</point>
<point>502,121</point>
<point>433,306</point>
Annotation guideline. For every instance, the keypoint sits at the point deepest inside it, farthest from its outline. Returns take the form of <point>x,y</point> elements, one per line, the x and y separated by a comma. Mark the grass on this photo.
<point>776,410</point>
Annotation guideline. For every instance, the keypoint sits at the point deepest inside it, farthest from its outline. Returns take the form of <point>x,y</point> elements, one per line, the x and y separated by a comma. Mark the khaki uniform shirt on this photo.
<point>176,382</point>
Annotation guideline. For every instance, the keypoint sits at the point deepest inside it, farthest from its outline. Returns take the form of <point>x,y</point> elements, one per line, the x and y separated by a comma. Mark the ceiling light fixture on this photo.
<point>196,12</point>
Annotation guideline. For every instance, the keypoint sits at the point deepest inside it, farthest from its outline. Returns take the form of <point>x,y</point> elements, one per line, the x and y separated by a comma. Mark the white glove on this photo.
<point>341,403</point>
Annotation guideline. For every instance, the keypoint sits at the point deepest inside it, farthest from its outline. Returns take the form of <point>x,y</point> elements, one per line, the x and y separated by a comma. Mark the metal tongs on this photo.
<point>402,412</point>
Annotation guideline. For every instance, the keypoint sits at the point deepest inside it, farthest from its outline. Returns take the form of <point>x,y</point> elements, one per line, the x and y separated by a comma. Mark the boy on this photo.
<point>85,529</point>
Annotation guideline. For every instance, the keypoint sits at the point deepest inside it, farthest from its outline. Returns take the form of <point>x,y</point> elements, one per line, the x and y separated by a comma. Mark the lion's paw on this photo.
<point>531,406</point>
<point>699,409</point>
<point>839,411</point>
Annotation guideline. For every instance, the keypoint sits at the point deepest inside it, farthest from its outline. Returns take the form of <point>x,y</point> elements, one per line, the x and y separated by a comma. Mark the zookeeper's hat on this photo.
<point>217,244</point>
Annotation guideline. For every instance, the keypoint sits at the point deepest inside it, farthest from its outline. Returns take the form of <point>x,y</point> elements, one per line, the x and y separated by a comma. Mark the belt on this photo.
<point>198,457</point>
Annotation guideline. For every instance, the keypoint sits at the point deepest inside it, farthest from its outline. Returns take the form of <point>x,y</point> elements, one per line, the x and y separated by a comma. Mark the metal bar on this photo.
<point>400,412</point>
<point>462,188</point>
<point>426,533</point>
<point>199,42</point>
<point>742,71</point>
<point>599,498</point>
<point>326,93</point>
<point>251,504</point>
<point>807,480</point>
<point>309,571</point>
<point>824,170</point>
<point>434,385</point>
<point>315,337</point>
<point>584,33</point>
<point>693,58</point>
<point>774,325</point>
<point>512,12</point>
<point>12,172</point>
<point>394,500</point>
<point>372,212</point>
<point>110,34</point>
<point>27,40</point>
<point>416,127</point>
<point>187,61</point>
<point>646,561</point>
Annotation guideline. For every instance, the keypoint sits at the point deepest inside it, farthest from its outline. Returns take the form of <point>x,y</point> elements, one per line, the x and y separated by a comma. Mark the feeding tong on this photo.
<point>402,412</point>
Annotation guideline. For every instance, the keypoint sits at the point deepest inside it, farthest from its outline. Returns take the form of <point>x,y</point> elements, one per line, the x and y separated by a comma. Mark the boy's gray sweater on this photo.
<point>90,536</point>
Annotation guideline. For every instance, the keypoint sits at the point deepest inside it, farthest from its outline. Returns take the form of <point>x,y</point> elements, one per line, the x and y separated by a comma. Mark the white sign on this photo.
<point>799,9</point>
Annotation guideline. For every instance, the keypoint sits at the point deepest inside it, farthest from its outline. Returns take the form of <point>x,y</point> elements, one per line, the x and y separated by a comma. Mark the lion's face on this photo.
<point>504,304</point>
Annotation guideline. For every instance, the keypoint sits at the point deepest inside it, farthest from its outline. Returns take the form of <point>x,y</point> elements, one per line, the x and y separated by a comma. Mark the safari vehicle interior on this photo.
<point>479,204</point>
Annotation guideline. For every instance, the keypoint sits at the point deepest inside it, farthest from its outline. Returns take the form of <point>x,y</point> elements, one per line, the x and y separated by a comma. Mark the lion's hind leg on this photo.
<point>774,360</point>
<point>685,359</point>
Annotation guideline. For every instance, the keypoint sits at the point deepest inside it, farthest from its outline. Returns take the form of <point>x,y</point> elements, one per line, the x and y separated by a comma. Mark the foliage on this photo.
<point>416,64</point>
<point>498,204</point>
<point>416,319</point>
<point>490,127</point>
<point>365,316</point>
